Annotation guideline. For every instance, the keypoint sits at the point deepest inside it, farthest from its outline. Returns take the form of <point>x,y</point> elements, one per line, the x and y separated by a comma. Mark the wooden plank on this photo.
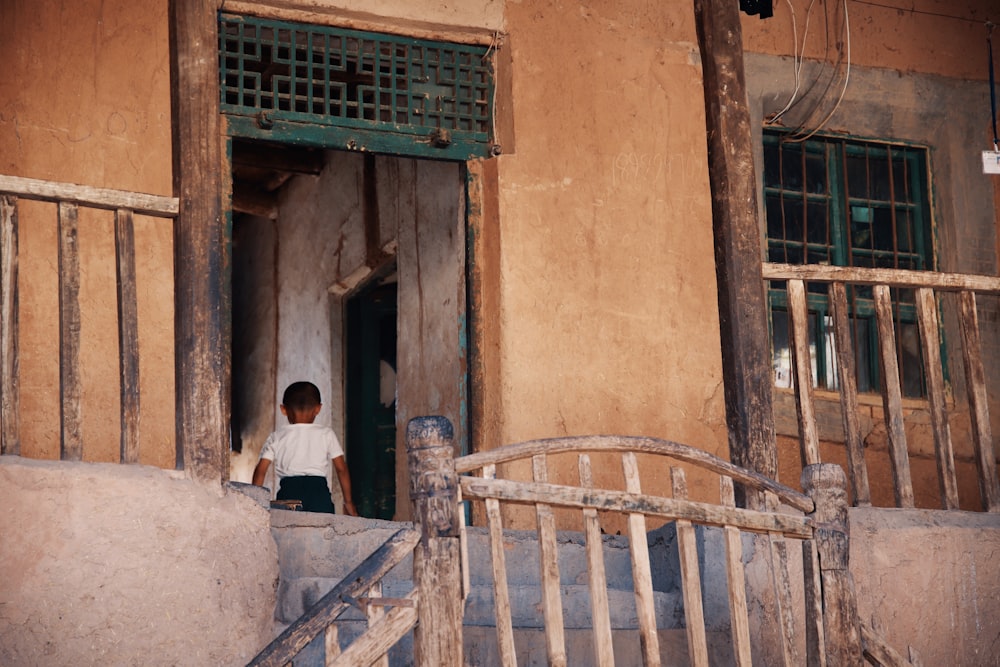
<point>813,584</point>
<point>619,501</point>
<point>687,548</point>
<point>200,303</point>
<point>128,335</point>
<point>70,389</point>
<point>893,277</point>
<point>783,598</point>
<point>930,345</point>
<point>604,654</point>
<point>737,581</point>
<point>555,637</point>
<point>296,636</point>
<point>375,613</point>
<point>372,646</point>
<point>144,204</point>
<point>638,445</point>
<point>464,547</point>
<point>642,578</point>
<point>892,398</point>
<point>501,593</point>
<point>10,378</point>
<point>802,364</point>
<point>331,644</point>
<point>877,651</point>
<point>746,363</point>
<point>975,382</point>
<point>857,470</point>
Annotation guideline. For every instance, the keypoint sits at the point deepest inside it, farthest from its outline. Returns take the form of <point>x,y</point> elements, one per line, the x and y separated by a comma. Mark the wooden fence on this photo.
<point>69,199</point>
<point>929,288</point>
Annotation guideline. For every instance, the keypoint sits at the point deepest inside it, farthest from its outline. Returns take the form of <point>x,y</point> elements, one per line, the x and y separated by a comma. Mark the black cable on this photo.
<point>919,11</point>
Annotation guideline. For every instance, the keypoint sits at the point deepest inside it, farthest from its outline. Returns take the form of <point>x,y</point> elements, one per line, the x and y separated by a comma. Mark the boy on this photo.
<point>302,452</point>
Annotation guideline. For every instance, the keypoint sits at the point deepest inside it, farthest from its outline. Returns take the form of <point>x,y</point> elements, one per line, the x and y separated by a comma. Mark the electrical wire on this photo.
<point>796,138</point>
<point>911,10</point>
<point>797,59</point>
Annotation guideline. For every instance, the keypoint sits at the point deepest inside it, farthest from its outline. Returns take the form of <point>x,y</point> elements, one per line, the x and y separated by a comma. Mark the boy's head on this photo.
<point>301,403</point>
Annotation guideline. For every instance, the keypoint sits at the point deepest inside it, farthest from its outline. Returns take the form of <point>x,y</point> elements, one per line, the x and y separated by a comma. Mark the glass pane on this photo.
<point>878,172</point>
<point>816,174</point>
<point>794,230</point>
<point>832,381</point>
<point>861,228</point>
<point>791,167</point>
<point>857,176</point>
<point>904,231</point>
<point>900,180</point>
<point>817,223</point>
<point>781,355</point>
<point>860,338</point>
<point>775,223</point>
<point>882,238</point>
<point>772,172</point>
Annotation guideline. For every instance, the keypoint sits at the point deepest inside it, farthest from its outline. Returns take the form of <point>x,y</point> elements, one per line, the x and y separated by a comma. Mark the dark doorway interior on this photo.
<point>370,397</point>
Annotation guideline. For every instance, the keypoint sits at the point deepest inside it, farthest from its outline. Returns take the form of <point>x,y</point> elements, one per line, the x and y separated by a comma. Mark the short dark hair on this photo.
<point>301,396</point>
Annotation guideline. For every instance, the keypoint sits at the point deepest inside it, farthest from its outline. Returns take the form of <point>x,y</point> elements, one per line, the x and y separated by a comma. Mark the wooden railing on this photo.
<point>69,199</point>
<point>929,287</point>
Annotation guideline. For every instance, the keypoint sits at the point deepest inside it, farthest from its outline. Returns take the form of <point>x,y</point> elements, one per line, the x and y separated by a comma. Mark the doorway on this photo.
<point>370,402</point>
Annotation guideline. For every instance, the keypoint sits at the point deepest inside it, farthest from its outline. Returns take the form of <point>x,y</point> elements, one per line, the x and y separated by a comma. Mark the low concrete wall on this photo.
<point>107,564</point>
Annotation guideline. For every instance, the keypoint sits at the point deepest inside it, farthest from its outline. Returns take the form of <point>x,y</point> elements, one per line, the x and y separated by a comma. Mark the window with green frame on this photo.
<point>846,202</point>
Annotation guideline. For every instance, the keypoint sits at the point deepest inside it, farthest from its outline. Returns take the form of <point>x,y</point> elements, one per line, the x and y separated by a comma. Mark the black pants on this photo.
<point>312,491</point>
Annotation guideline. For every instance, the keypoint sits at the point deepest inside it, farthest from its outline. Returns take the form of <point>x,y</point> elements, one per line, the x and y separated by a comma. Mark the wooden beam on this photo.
<point>32,188</point>
<point>746,364</point>
<point>10,408</point>
<point>128,334</point>
<point>201,308</point>
<point>70,391</point>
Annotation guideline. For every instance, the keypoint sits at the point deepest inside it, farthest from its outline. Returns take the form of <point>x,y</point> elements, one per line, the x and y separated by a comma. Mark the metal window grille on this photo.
<point>279,71</point>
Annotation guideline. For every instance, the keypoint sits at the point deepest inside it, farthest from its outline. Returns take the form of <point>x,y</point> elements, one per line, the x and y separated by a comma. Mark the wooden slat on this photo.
<point>892,277</point>
<point>555,640</point>
<point>975,382</point>
<point>802,365</point>
<point>375,613</point>
<point>501,594</point>
<point>642,577</point>
<point>331,644</point>
<point>892,398</point>
<point>464,548</point>
<point>31,188</point>
<point>10,409</point>
<point>296,636</point>
<point>71,441</point>
<point>638,445</point>
<point>618,501</point>
<point>783,598</point>
<point>737,581</point>
<point>857,471</point>
<point>371,647</point>
<point>930,344</point>
<point>128,335</point>
<point>600,610</point>
<point>877,651</point>
<point>687,547</point>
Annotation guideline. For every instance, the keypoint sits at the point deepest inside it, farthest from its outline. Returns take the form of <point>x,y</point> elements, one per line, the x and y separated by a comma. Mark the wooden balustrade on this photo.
<point>928,286</point>
<point>69,199</point>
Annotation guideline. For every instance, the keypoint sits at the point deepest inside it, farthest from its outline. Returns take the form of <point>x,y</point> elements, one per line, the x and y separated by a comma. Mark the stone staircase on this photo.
<point>315,551</point>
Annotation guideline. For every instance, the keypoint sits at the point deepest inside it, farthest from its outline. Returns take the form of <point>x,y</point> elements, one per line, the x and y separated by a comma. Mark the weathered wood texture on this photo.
<point>296,636</point>
<point>642,577</point>
<point>857,471</point>
<point>826,484</point>
<point>10,410</point>
<point>128,335</point>
<point>555,639</point>
<point>742,300</point>
<point>437,557</point>
<point>201,344</point>
<point>737,581</point>
<point>105,198</point>
<point>928,286</point>
<point>878,652</point>
<point>596,574</point>
<point>802,365</point>
<point>430,378</point>
<point>975,379</point>
<point>71,438</point>
<point>687,547</point>
<point>501,593</point>
<point>372,647</point>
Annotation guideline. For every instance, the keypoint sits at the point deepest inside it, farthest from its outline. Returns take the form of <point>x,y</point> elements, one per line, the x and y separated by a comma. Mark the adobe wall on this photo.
<point>107,564</point>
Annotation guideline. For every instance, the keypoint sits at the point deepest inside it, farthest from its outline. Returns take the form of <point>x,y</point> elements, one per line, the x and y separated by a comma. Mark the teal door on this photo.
<point>371,400</point>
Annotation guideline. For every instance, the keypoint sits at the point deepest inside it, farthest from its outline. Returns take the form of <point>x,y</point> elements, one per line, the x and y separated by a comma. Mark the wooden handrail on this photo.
<point>945,282</point>
<point>83,195</point>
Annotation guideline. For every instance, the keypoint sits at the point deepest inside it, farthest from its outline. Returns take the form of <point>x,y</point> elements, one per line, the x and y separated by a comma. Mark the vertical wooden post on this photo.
<point>71,440</point>
<point>128,334</point>
<point>826,484</point>
<point>200,312</point>
<point>10,420</point>
<point>746,367</point>
<point>437,567</point>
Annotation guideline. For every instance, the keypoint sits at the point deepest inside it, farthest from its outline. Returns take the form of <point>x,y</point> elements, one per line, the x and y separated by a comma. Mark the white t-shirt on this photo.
<point>301,449</point>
